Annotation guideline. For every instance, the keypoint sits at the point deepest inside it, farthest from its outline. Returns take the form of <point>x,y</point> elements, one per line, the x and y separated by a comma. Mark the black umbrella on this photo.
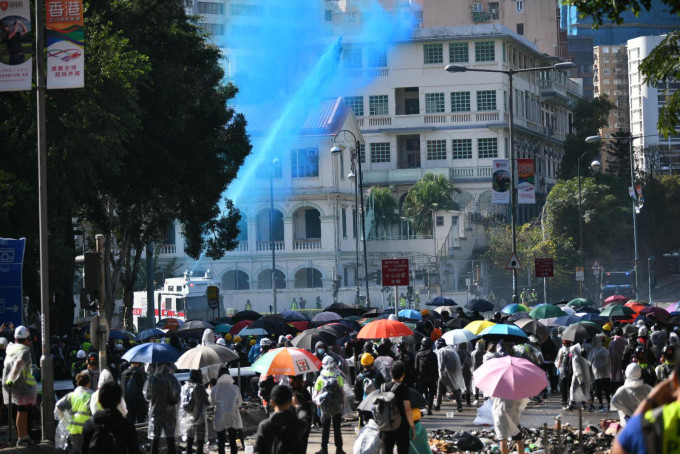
<point>337,329</point>
<point>273,326</point>
<point>457,323</point>
<point>246,315</point>
<point>581,331</point>
<point>441,301</point>
<point>344,310</point>
<point>417,400</point>
<point>588,310</point>
<point>531,326</point>
<point>194,328</point>
<point>479,305</point>
<point>308,339</point>
<point>673,320</point>
<point>519,316</point>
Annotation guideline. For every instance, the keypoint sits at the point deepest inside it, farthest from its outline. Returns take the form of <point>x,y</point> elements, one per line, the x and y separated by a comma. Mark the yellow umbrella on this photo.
<point>478,326</point>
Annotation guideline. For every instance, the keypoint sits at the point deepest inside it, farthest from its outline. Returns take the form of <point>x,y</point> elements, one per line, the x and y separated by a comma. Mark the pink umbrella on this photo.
<point>657,311</point>
<point>673,307</point>
<point>510,378</point>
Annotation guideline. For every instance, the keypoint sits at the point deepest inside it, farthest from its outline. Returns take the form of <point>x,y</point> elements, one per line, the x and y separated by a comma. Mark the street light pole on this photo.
<point>595,165</point>
<point>272,245</point>
<point>352,177</point>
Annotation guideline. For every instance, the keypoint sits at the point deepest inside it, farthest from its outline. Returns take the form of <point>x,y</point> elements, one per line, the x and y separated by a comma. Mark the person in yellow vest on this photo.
<point>76,407</point>
<point>294,305</point>
<point>402,301</point>
<point>249,307</point>
<point>17,379</point>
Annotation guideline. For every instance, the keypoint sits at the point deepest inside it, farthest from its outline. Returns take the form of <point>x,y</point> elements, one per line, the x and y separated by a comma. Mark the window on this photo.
<point>487,148</point>
<point>458,53</point>
<point>377,58</point>
<point>436,150</point>
<point>462,149</point>
<point>213,29</point>
<point>606,71</point>
<point>434,103</point>
<point>460,101</point>
<point>433,53</point>
<point>520,29</point>
<point>486,100</point>
<point>344,222</point>
<point>439,221</point>
<point>241,9</point>
<point>328,15</point>
<point>380,152</point>
<point>605,50</point>
<point>484,51</point>
<point>519,6</point>
<point>477,8</point>
<point>304,163</point>
<point>606,81</point>
<point>351,57</point>
<point>210,8</point>
<point>377,105</point>
<point>362,152</point>
<point>354,223</point>
<point>356,103</point>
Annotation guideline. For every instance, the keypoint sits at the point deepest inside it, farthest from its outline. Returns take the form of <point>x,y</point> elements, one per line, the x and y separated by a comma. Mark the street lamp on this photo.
<point>513,198</point>
<point>353,178</point>
<point>595,165</point>
<point>272,245</point>
<point>356,160</point>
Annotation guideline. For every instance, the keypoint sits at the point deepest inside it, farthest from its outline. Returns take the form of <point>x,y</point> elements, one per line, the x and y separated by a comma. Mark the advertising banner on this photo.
<point>526,186</point>
<point>65,44</point>
<point>501,181</point>
<point>11,264</point>
<point>16,51</point>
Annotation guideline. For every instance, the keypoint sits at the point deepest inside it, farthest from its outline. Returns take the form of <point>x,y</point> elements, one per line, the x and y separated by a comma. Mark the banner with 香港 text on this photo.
<point>65,44</point>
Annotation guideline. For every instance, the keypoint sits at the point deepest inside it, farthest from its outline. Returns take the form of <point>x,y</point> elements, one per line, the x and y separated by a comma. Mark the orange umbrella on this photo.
<point>286,361</point>
<point>383,329</point>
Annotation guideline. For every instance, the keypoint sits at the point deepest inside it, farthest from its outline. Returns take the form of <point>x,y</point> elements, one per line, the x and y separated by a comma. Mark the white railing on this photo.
<point>167,249</point>
<point>388,237</point>
<point>471,172</point>
<point>487,116</point>
<point>266,245</point>
<point>368,73</point>
<point>379,121</point>
<point>461,118</point>
<point>304,245</point>
<point>241,247</point>
<point>433,119</point>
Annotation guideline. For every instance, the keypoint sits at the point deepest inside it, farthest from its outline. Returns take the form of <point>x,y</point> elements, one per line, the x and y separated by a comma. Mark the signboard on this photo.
<point>580,274</point>
<point>513,263</point>
<point>596,268</point>
<point>501,181</point>
<point>526,186</point>
<point>65,44</point>
<point>11,264</point>
<point>544,267</point>
<point>16,62</point>
<point>395,272</point>
<point>212,292</point>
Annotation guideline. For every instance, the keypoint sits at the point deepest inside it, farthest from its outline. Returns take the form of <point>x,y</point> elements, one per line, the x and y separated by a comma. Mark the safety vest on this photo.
<point>402,302</point>
<point>293,305</point>
<point>660,429</point>
<point>249,306</point>
<point>79,400</point>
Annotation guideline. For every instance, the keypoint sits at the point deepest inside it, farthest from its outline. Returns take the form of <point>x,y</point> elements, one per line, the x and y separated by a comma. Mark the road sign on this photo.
<point>544,267</point>
<point>395,272</point>
<point>213,294</point>
<point>513,263</point>
<point>596,266</point>
<point>580,274</point>
<point>11,263</point>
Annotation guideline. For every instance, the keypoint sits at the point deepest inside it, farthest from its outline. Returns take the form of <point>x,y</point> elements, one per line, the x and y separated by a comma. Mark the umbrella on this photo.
<point>440,301</point>
<point>301,326</point>
<point>449,309</point>
<point>117,334</point>
<point>510,333</point>
<point>478,326</point>
<point>286,361</point>
<point>343,310</point>
<point>510,378</point>
<point>309,338</point>
<point>546,311</point>
<point>566,320</point>
<point>616,299</point>
<point>568,310</point>
<point>518,316</point>
<point>673,320</point>
<point>514,308</point>
<point>149,333</point>
<point>256,332</point>
<point>223,328</point>
<point>458,336</point>
<point>338,329</point>
<point>479,305</point>
<point>205,355</point>
<point>658,312</point>
<point>152,353</point>
<point>169,323</point>
<point>416,398</point>
<point>594,318</point>
<point>531,326</point>
<point>294,316</point>
<point>410,314</point>
<point>246,315</point>
<point>240,326</point>
<point>271,325</point>
<point>672,308</point>
<point>580,302</point>
<point>617,310</point>
<point>457,323</point>
<point>326,317</point>
<point>352,324</point>
<point>579,332</point>
<point>194,326</point>
<point>382,329</point>
<point>221,320</point>
<point>588,310</point>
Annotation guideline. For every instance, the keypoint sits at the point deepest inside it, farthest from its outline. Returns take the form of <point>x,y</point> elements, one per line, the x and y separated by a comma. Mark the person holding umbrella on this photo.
<point>162,391</point>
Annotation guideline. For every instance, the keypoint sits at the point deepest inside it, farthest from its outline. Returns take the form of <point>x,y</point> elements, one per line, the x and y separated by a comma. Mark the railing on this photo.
<point>432,119</point>
<point>379,121</point>
<point>304,245</point>
<point>418,120</point>
<point>401,175</point>
<point>471,172</point>
<point>167,249</point>
<point>367,73</point>
<point>266,245</point>
<point>241,247</point>
<point>388,237</point>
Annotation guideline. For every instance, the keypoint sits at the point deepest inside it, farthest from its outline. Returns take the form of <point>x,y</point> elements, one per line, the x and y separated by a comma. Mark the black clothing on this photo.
<point>427,367</point>
<point>133,387</point>
<point>402,436</point>
<point>282,425</point>
<point>409,361</point>
<point>222,439</point>
<point>123,430</point>
<point>337,432</point>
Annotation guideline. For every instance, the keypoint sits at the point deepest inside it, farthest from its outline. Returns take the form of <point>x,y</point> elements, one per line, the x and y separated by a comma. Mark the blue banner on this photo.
<point>11,264</point>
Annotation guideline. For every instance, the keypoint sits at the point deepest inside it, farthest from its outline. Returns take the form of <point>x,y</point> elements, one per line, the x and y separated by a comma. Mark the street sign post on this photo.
<point>544,267</point>
<point>395,273</point>
<point>580,274</point>
<point>212,292</point>
<point>596,268</point>
<point>513,263</point>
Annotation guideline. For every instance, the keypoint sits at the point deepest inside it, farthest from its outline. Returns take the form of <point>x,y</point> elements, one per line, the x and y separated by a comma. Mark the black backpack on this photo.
<point>103,441</point>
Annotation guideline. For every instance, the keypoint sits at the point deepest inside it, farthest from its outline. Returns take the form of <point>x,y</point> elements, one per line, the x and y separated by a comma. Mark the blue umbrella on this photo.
<point>507,332</point>
<point>441,301</point>
<point>326,317</point>
<point>149,333</point>
<point>411,314</point>
<point>152,353</point>
<point>566,320</point>
<point>294,316</point>
<point>514,308</point>
<point>594,318</point>
<point>115,334</point>
<point>253,332</point>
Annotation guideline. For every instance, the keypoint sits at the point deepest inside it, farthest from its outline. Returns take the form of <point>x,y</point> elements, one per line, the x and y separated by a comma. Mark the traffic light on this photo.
<point>91,275</point>
<point>426,279</point>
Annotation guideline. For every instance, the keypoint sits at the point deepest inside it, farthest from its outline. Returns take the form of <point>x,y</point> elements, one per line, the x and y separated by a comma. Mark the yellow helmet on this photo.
<point>425,312</point>
<point>237,339</point>
<point>252,342</point>
<point>87,336</point>
<point>366,359</point>
<point>607,327</point>
<point>227,337</point>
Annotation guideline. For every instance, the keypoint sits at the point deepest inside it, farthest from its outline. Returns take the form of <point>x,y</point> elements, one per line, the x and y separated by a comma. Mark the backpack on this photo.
<point>331,398</point>
<point>429,367</point>
<point>369,386</point>
<point>386,411</point>
<point>103,441</point>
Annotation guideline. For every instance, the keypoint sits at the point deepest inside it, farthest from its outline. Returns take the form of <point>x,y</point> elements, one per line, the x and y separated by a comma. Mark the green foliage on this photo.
<point>431,191</point>
<point>385,208</point>
<point>619,153</point>
<point>611,10</point>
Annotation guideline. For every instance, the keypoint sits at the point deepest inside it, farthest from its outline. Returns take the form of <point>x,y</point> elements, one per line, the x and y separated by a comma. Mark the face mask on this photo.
<point>320,351</point>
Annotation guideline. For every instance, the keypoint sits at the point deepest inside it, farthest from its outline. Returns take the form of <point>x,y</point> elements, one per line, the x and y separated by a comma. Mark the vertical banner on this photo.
<point>501,181</point>
<point>65,44</point>
<point>16,66</point>
<point>526,187</point>
<point>11,264</point>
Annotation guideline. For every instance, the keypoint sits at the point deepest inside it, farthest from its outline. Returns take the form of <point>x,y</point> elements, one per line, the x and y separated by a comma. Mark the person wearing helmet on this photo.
<point>329,397</point>
<point>640,358</point>
<point>221,342</point>
<point>79,364</point>
<point>664,370</point>
<point>17,378</point>
<point>409,360</point>
<point>368,380</point>
<point>427,372</point>
<point>75,409</point>
<point>93,369</point>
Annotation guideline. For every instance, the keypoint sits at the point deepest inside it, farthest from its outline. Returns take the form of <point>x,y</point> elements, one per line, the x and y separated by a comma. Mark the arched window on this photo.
<point>263,220</point>
<point>235,280</point>
<point>308,278</point>
<point>264,280</point>
<point>307,224</point>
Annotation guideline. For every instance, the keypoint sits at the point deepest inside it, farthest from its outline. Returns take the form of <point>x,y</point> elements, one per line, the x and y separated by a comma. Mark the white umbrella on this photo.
<point>449,309</point>
<point>205,355</point>
<point>458,336</point>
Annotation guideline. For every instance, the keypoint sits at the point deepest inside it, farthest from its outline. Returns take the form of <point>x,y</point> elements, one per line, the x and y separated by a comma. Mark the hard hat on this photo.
<point>328,360</point>
<point>93,359</point>
<point>119,347</point>
<point>366,359</point>
<point>21,332</point>
<point>3,342</point>
<point>425,312</point>
<point>607,327</point>
<point>252,342</point>
<point>87,336</point>
<point>227,337</point>
<point>81,354</point>
<point>237,339</point>
<point>221,341</point>
<point>265,342</point>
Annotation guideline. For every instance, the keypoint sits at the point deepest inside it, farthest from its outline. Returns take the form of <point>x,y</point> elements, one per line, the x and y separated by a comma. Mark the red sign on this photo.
<point>544,267</point>
<point>395,272</point>
<point>136,311</point>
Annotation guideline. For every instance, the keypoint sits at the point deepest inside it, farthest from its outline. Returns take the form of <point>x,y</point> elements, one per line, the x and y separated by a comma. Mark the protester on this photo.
<point>304,406</point>
<point>428,372</point>
<point>133,383</point>
<point>628,397</point>
<point>409,361</point>
<point>450,374</point>
<point>564,367</point>
<point>664,370</point>
<point>75,407</point>
<point>616,348</point>
<point>226,398</point>
<point>367,381</point>
<point>506,414</point>
<point>194,404</point>
<point>601,369</point>
<point>162,391</point>
<point>466,369</point>
<point>107,431</point>
<point>283,431</point>
<point>406,432</point>
<point>92,368</point>
<point>105,377</point>
<point>581,381</point>
<point>329,396</point>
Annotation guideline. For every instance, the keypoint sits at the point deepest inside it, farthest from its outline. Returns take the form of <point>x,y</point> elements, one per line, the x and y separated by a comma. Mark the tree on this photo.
<point>619,151</point>
<point>385,209</point>
<point>663,63</point>
<point>431,192</point>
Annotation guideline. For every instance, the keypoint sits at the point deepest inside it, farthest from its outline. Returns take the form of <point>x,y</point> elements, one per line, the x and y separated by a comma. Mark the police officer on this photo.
<point>79,364</point>
<point>93,369</point>
<point>249,306</point>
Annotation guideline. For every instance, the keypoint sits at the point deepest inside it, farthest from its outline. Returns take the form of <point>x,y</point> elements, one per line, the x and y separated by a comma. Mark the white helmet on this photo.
<point>328,361</point>
<point>119,347</point>
<point>3,341</point>
<point>21,332</point>
<point>221,341</point>
<point>81,354</point>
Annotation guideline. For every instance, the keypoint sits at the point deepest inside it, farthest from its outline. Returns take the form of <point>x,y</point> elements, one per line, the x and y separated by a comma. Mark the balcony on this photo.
<point>365,73</point>
<point>266,246</point>
<point>306,245</point>
<point>167,249</point>
<point>410,176</point>
<point>241,247</point>
<point>427,121</point>
<point>553,92</point>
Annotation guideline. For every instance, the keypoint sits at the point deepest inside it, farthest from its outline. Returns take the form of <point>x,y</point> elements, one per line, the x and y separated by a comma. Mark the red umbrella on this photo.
<point>239,326</point>
<point>633,303</point>
<point>383,329</point>
<point>301,326</point>
<point>616,299</point>
<point>658,312</point>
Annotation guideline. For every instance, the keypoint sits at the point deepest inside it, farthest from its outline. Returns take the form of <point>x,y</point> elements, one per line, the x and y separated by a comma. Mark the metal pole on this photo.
<point>150,312</point>
<point>635,236</point>
<point>356,238</point>
<point>545,290</point>
<point>513,196</point>
<point>649,278</point>
<point>363,223</point>
<point>580,228</point>
<point>271,235</point>
<point>46,366</point>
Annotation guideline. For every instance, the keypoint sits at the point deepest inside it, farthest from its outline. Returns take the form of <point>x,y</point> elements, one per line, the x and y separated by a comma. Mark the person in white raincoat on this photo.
<point>192,411</point>
<point>628,397</point>
<point>226,398</point>
<point>450,373</point>
<point>506,415</point>
<point>601,366</point>
<point>17,377</point>
<point>581,380</point>
<point>95,406</point>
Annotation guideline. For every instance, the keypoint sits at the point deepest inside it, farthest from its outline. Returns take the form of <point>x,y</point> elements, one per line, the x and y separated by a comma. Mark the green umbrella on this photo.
<point>223,328</point>
<point>580,302</point>
<point>617,310</point>
<point>546,311</point>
